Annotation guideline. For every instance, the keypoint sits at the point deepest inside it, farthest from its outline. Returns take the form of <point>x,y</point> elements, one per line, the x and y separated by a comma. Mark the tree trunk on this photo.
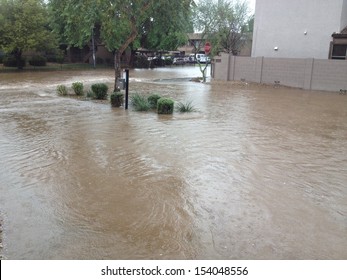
<point>121,50</point>
<point>203,70</point>
<point>117,69</point>
<point>18,56</point>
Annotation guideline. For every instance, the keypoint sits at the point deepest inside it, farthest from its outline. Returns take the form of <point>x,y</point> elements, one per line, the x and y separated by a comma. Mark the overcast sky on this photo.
<point>252,5</point>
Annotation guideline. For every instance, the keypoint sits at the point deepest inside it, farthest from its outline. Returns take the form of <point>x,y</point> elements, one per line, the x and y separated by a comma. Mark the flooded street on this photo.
<point>256,173</point>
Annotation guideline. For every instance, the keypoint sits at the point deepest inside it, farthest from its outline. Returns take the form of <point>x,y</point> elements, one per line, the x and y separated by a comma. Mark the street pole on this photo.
<point>93,45</point>
<point>126,88</point>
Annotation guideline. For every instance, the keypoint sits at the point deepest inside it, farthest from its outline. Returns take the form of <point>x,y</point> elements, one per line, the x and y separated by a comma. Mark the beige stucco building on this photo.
<point>297,28</point>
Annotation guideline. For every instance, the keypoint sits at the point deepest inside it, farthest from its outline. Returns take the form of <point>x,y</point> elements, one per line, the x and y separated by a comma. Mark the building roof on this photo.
<point>194,36</point>
<point>342,34</point>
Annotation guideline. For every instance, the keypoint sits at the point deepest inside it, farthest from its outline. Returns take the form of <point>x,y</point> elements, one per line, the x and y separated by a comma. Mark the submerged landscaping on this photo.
<point>139,102</point>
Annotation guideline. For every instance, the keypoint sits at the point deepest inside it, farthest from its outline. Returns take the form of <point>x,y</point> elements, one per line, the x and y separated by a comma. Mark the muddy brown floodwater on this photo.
<point>256,173</point>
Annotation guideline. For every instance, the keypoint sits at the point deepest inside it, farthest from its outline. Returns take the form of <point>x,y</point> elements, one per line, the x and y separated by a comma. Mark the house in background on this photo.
<point>195,43</point>
<point>338,49</point>
<point>300,29</point>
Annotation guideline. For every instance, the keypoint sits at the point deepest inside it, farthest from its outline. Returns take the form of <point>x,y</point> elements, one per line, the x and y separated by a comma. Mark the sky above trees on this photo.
<point>251,4</point>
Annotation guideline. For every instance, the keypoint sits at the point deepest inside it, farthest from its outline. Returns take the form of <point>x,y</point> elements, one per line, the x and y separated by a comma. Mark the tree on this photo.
<point>223,23</point>
<point>169,30</point>
<point>205,20</point>
<point>24,26</point>
<point>233,26</point>
<point>121,22</point>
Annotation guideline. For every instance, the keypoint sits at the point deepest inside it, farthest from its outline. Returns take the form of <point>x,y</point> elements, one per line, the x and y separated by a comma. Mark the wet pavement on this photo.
<point>256,173</point>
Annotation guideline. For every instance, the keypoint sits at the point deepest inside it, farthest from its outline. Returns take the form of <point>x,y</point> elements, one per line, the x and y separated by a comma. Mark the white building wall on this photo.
<point>344,15</point>
<point>298,28</point>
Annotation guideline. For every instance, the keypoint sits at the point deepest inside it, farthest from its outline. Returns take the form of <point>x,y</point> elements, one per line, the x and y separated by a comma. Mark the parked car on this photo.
<point>202,58</point>
<point>192,58</point>
<point>178,61</point>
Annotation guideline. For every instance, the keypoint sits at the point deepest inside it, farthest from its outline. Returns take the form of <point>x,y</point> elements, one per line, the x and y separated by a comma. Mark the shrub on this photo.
<point>185,107</point>
<point>153,100</point>
<point>62,90</point>
<point>78,88</point>
<point>165,106</point>
<point>38,60</point>
<point>139,102</point>
<point>55,55</point>
<point>168,61</point>
<point>90,94</point>
<point>117,99</point>
<point>11,61</point>
<point>60,56</point>
<point>100,90</point>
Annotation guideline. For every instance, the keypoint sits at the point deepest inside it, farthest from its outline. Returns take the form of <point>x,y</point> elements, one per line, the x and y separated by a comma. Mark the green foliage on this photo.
<point>116,22</point>
<point>139,102</point>
<point>60,56</point>
<point>90,94</point>
<point>185,107</point>
<point>224,23</point>
<point>100,90</point>
<point>74,20</point>
<point>120,24</point>
<point>233,27</point>
<point>165,106</point>
<point>250,24</point>
<point>1,57</point>
<point>168,61</point>
<point>55,56</point>
<point>153,100</point>
<point>24,26</point>
<point>11,61</point>
<point>117,99</point>
<point>78,88</point>
<point>62,90</point>
<point>38,60</point>
<point>168,29</point>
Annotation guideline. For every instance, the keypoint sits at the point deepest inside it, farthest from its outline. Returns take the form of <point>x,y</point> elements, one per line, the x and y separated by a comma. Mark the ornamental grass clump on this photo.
<point>78,88</point>
<point>139,102</point>
<point>100,91</point>
<point>62,90</point>
<point>90,94</point>
<point>185,107</point>
<point>165,106</point>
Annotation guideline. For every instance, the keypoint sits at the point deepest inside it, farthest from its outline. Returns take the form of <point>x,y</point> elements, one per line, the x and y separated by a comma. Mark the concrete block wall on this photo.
<point>244,68</point>
<point>291,75</point>
<point>329,75</point>
<point>316,74</point>
<point>221,71</point>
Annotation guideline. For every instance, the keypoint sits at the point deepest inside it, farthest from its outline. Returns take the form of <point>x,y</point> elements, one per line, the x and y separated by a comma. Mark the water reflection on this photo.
<point>256,173</point>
